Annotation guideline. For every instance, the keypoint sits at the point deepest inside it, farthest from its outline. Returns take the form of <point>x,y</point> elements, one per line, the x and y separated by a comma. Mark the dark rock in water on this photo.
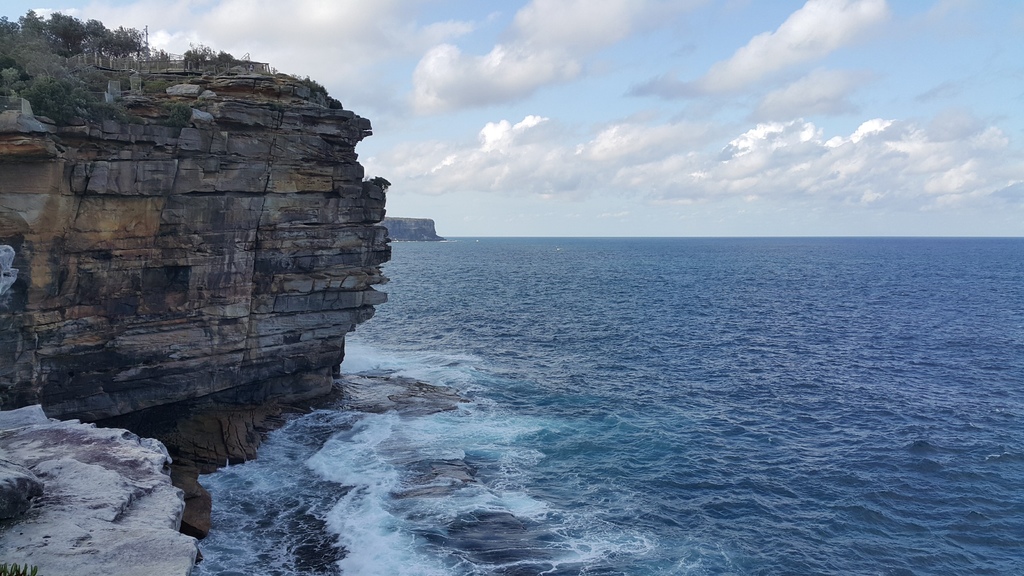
<point>438,478</point>
<point>500,538</point>
<point>457,470</point>
<point>378,394</point>
<point>195,520</point>
<point>316,551</point>
<point>411,229</point>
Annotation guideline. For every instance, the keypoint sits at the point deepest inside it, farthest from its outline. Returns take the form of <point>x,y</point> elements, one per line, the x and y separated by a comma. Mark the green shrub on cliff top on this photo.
<point>34,65</point>
<point>60,100</point>
<point>179,114</point>
<point>381,182</point>
<point>316,87</point>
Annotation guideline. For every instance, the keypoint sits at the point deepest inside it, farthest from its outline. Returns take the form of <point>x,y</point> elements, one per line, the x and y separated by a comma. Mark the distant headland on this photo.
<point>411,229</point>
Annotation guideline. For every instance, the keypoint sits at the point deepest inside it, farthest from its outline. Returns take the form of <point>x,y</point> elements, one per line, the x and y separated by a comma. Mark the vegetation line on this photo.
<point>57,65</point>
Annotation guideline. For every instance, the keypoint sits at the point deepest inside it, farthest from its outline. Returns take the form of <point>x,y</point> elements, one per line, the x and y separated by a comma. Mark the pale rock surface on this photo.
<point>184,90</point>
<point>8,274</point>
<point>200,116</point>
<point>107,505</point>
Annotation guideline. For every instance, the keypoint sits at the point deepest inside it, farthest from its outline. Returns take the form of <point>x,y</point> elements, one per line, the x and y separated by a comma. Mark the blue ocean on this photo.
<point>661,407</point>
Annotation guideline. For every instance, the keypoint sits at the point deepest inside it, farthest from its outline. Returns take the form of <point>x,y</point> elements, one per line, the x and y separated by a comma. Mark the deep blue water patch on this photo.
<point>669,406</point>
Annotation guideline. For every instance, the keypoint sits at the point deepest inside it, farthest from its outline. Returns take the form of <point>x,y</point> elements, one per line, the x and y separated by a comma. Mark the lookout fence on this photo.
<point>166,63</point>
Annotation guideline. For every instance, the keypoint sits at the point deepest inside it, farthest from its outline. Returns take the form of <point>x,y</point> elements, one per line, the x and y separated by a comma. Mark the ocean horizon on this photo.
<point>655,406</point>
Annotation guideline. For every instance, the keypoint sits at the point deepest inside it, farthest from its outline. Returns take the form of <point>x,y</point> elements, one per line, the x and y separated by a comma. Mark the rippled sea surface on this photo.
<point>664,406</point>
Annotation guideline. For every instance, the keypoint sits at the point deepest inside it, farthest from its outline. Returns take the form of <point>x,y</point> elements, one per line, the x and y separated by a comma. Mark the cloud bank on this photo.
<point>955,160</point>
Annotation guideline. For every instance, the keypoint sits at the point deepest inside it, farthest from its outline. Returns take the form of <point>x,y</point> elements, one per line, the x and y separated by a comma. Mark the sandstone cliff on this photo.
<point>153,264</point>
<point>411,229</point>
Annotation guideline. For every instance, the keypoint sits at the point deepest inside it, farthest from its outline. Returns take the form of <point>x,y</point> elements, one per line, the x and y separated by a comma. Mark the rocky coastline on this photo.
<point>190,283</point>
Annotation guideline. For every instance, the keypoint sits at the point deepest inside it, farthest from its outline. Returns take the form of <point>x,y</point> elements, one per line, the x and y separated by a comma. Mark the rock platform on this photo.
<point>105,505</point>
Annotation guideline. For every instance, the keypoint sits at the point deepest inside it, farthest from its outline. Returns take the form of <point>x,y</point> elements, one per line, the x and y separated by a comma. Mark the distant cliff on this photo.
<point>411,229</point>
<point>151,264</point>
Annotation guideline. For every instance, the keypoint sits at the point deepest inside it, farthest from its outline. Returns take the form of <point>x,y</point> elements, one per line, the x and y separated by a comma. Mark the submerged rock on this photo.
<point>378,394</point>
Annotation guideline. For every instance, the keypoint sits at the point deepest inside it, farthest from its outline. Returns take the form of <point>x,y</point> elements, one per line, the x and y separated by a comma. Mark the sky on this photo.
<point>653,117</point>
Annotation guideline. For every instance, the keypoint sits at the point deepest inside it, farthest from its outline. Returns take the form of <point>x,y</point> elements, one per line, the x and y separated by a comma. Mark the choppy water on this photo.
<point>648,406</point>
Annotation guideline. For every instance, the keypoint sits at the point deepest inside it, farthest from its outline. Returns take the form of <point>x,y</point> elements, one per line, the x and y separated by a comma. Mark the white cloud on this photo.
<point>446,79</point>
<point>628,142</point>
<point>898,163</point>
<point>883,163</point>
<point>532,156</point>
<point>499,136</point>
<point>815,30</point>
<point>548,43</point>
<point>873,126</point>
<point>620,214</point>
<point>824,92</point>
<point>582,26</point>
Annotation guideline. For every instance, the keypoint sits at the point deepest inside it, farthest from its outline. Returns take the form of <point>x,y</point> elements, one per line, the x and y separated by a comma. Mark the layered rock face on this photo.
<point>411,229</point>
<point>226,259</point>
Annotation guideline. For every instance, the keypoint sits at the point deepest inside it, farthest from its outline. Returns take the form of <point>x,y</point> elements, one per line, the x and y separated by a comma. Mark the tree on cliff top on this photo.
<point>33,63</point>
<point>67,36</point>
<point>58,100</point>
<point>380,182</point>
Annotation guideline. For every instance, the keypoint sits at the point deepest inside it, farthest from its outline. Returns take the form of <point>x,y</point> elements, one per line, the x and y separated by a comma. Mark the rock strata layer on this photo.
<point>411,229</point>
<point>226,259</point>
<point>106,505</point>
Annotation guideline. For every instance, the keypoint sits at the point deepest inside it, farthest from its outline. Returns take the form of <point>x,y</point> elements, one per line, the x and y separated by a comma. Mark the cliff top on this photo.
<point>72,71</point>
<point>158,99</point>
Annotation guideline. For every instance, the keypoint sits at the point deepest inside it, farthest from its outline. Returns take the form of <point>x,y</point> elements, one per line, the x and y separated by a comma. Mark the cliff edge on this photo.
<point>148,264</point>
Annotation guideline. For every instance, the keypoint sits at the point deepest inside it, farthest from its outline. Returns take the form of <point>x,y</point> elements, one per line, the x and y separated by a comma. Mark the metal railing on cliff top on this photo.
<point>169,63</point>
<point>15,103</point>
